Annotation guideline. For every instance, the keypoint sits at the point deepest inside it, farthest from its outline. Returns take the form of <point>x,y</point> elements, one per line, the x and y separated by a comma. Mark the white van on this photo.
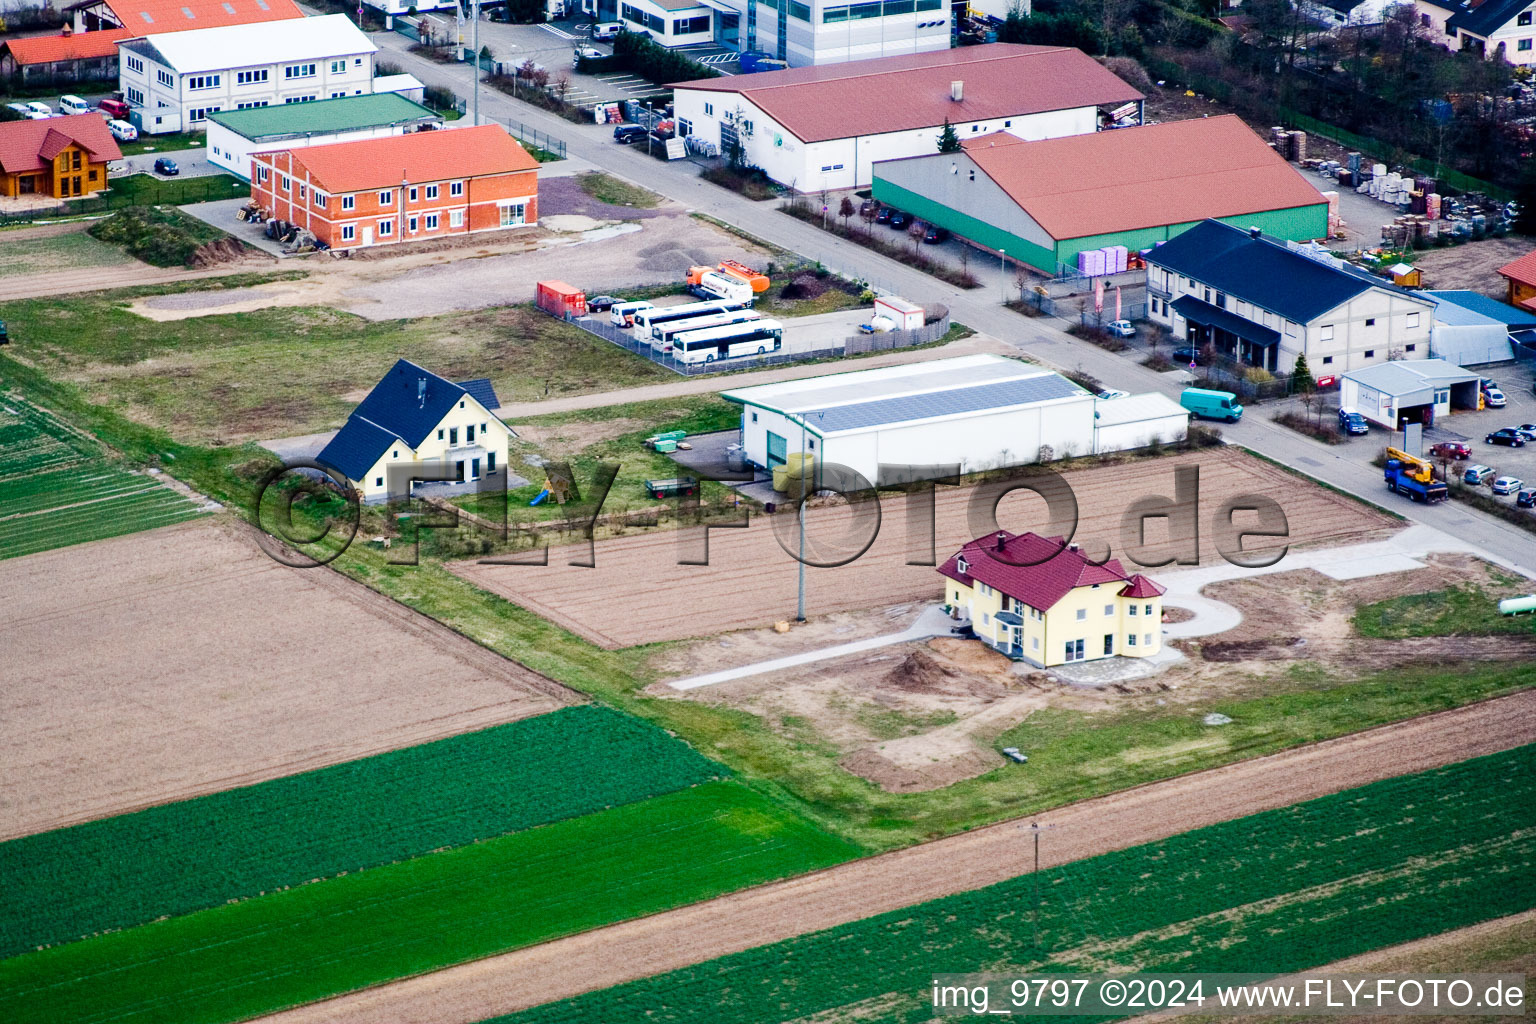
<point>40,109</point>
<point>623,313</point>
<point>73,105</point>
<point>606,32</point>
<point>122,131</point>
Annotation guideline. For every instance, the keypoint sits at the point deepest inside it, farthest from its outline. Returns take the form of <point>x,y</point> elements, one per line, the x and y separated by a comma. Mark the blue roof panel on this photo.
<point>950,402</point>
<point>356,447</point>
<point>1482,307</point>
<point>480,390</point>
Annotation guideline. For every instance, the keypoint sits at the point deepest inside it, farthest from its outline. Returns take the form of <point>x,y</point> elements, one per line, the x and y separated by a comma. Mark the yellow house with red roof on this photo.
<point>1040,600</point>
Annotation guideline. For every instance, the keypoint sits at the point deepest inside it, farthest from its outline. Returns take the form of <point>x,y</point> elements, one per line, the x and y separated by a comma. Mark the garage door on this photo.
<point>776,450</point>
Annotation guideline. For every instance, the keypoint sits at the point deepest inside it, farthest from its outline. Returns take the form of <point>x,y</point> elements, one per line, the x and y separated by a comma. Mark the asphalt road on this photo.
<point>982,309</point>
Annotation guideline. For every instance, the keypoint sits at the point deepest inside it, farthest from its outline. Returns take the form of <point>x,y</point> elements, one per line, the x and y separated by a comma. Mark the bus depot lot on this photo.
<point>639,593</point>
<point>183,661</point>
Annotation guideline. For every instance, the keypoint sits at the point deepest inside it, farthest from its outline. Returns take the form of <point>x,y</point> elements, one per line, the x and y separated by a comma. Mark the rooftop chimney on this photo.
<point>1254,232</point>
<point>1001,537</point>
<point>1072,547</point>
<point>957,91</point>
<point>421,391</point>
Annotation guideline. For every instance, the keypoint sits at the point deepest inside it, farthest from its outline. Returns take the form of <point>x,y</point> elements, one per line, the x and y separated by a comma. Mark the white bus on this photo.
<point>649,319</point>
<point>755,337</point>
<point>662,334</point>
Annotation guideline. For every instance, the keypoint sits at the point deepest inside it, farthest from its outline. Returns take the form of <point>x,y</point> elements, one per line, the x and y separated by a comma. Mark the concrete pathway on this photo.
<point>932,622</point>
<point>1400,552</point>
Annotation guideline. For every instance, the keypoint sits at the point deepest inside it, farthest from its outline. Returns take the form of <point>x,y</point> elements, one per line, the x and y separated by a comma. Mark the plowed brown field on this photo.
<point>971,860</point>
<point>165,664</point>
<point>638,593</point>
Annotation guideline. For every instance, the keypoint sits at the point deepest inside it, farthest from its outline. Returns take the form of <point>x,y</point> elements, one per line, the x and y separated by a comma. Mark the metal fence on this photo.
<point>1099,318</point>
<point>166,193</point>
<point>534,137</point>
<point>858,345</point>
<point>1227,376</point>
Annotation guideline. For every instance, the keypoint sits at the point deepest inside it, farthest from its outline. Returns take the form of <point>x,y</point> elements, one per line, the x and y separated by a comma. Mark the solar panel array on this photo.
<point>950,402</point>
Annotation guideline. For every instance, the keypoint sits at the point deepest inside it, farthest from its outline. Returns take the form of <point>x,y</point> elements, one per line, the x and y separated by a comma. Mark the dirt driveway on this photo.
<point>183,660</point>
<point>668,941</point>
<point>639,593</point>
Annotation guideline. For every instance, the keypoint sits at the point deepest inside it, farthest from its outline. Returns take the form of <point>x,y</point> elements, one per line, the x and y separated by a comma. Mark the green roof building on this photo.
<point>234,135</point>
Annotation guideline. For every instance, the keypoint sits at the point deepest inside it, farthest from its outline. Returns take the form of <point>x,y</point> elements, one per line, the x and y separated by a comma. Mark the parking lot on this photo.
<point>1470,428</point>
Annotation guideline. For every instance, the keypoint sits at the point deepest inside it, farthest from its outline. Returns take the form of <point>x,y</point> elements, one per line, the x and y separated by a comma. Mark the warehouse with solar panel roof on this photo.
<point>975,412</point>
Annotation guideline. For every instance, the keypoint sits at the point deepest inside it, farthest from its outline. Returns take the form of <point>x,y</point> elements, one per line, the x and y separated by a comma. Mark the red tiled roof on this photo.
<point>416,157</point>
<point>146,17</point>
<point>79,46</point>
<point>1142,586</point>
<point>27,145</point>
<point>1177,172</point>
<point>1034,570</point>
<point>892,94</point>
<point>1522,270</point>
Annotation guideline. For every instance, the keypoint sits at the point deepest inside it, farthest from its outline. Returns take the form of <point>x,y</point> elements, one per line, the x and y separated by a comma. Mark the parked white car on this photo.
<point>122,131</point>
<point>20,108</point>
<point>1110,394</point>
<point>38,107</point>
<point>73,105</point>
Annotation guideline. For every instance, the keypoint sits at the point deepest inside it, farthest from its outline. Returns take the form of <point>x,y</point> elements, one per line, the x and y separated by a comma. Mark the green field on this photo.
<point>1280,891</point>
<point>177,858</point>
<point>73,250</point>
<point>312,941</point>
<point>57,490</point>
<point>1463,611</point>
<point>293,370</point>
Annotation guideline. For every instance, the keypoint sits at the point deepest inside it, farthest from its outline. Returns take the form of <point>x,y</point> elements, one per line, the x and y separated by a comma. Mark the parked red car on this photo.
<point>1450,450</point>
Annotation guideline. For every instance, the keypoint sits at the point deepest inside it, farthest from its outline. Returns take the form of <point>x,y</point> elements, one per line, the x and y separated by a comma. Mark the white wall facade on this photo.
<point>169,100</point>
<point>233,151</point>
<point>1514,42</point>
<point>683,27</point>
<point>1381,408</point>
<point>847,162</point>
<point>1121,437</point>
<point>1375,326</point>
<point>490,434</point>
<point>989,440</point>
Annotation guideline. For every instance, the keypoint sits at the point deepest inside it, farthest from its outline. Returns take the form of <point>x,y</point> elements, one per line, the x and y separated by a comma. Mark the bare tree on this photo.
<point>845,210</point>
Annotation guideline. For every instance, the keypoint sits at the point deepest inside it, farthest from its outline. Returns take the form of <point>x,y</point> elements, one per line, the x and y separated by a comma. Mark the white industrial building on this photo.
<point>976,412</point>
<point>1136,421</point>
<point>815,128</point>
<point>234,136</point>
<point>1396,394</point>
<point>1471,328</point>
<point>174,80</point>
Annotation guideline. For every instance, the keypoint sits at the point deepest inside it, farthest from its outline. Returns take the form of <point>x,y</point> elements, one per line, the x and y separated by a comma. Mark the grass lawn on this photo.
<point>605,188</point>
<point>588,438</point>
<point>312,941</point>
<point>71,251</point>
<point>1458,611</point>
<point>1285,890</point>
<point>168,144</point>
<point>149,190</point>
<point>294,370</point>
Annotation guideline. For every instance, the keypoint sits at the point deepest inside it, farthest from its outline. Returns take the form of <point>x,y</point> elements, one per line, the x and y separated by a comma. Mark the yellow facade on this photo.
<point>468,426</point>
<point>1090,622</point>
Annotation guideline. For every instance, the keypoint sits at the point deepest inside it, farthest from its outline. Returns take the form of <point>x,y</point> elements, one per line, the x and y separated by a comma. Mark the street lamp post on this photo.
<point>800,598</point>
<point>476,12</point>
<point>1002,268</point>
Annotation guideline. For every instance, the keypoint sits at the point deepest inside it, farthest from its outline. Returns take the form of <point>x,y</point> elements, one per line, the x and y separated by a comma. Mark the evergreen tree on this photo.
<point>949,142</point>
<point>1525,195</point>
<point>1301,377</point>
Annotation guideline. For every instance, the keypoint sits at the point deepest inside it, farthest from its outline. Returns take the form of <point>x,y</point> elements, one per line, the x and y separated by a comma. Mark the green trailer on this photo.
<point>671,488</point>
<point>671,437</point>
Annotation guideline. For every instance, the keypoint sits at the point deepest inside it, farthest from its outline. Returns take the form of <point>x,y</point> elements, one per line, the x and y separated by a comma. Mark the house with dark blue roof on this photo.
<point>1263,301</point>
<point>415,424</point>
<point>1496,28</point>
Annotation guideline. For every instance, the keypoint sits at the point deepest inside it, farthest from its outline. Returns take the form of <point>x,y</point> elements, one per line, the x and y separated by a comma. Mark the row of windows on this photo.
<point>874,9</point>
<point>251,77</point>
<point>134,63</point>
<point>249,105</point>
<point>688,26</point>
<point>639,17</point>
<point>386,229</point>
<point>201,113</point>
<point>1109,609</point>
<point>134,96</point>
<point>490,465</point>
<point>299,71</point>
<point>164,78</point>
<point>299,99</point>
<point>204,81</point>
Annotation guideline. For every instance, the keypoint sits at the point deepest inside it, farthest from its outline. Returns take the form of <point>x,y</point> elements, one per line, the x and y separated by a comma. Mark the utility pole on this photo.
<point>477,62</point>
<point>800,606</point>
<point>1002,266</point>
<point>1036,828</point>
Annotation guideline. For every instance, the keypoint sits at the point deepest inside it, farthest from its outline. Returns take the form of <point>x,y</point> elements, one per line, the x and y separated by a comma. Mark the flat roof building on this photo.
<point>1399,393</point>
<point>815,128</point>
<point>973,412</point>
<point>234,136</point>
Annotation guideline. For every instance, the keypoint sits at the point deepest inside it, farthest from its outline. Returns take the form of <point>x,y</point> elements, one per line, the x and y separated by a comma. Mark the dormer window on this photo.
<point>961,565</point>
